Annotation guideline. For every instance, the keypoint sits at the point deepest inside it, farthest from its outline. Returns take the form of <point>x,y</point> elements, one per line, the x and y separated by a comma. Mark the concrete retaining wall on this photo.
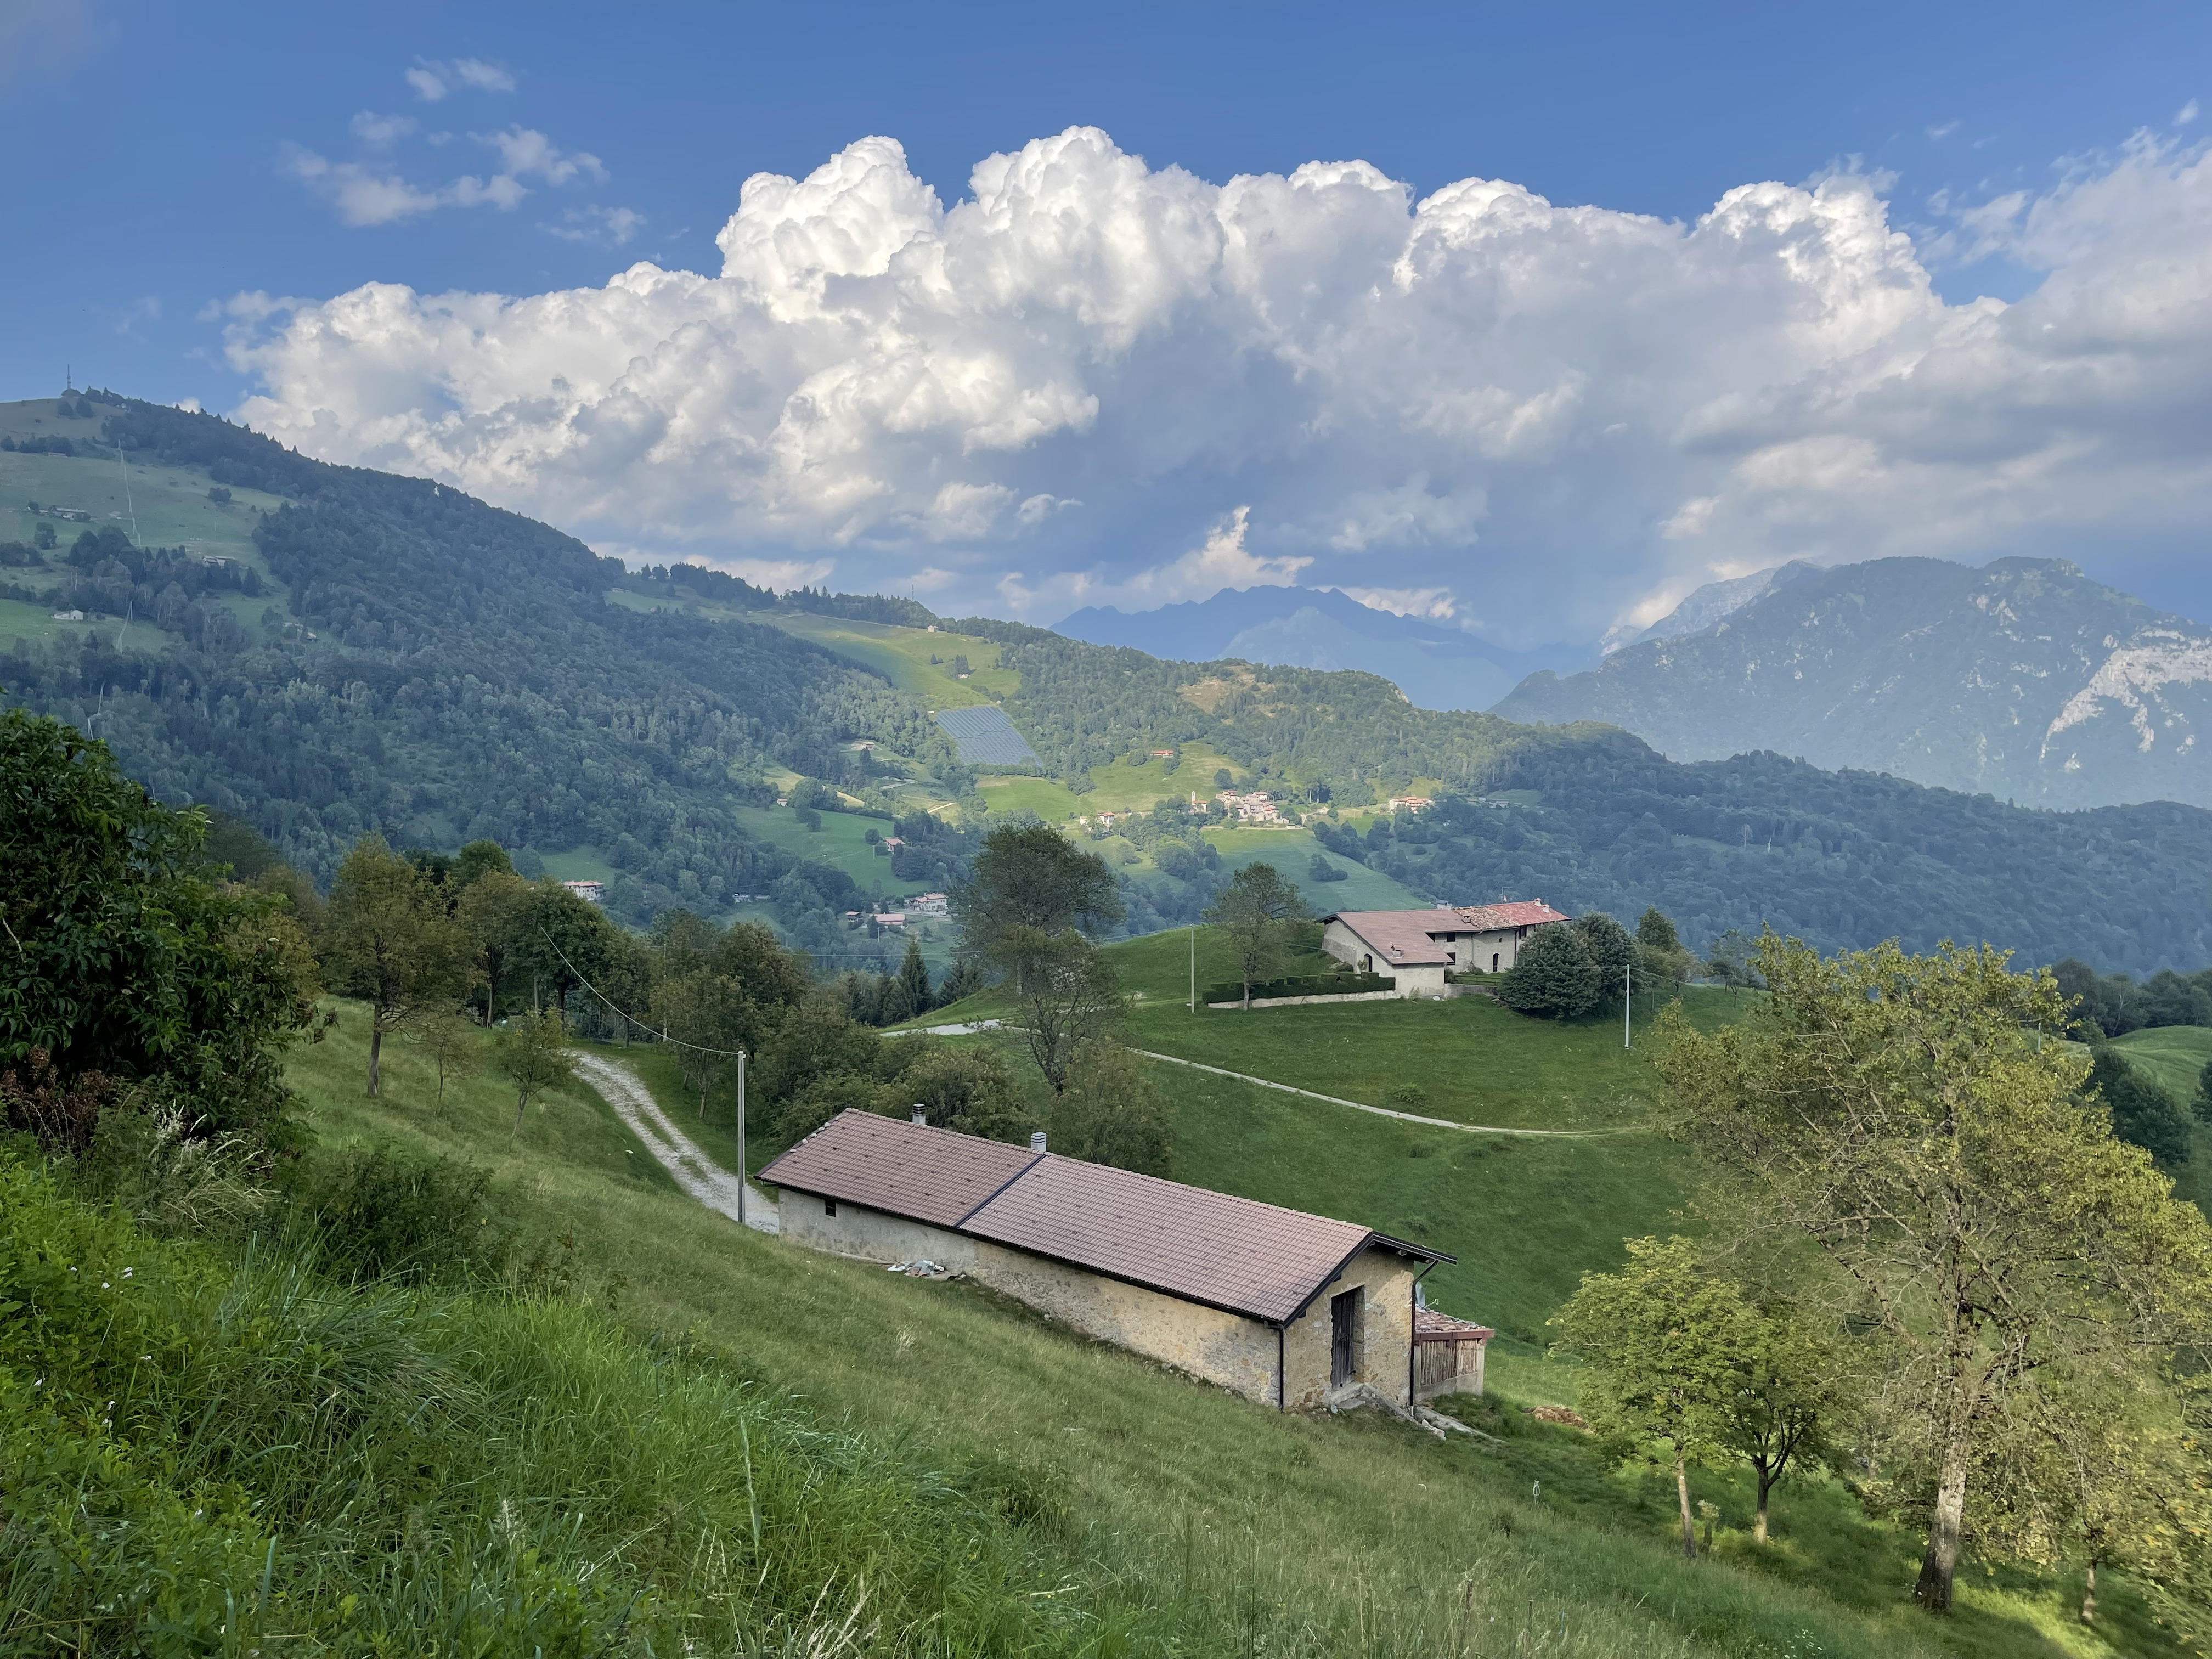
<point>1299,1002</point>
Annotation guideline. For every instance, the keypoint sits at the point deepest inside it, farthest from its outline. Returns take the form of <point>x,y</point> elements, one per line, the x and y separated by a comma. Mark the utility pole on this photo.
<point>1627,998</point>
<point>741,1137</point>
<point>1193,967</point>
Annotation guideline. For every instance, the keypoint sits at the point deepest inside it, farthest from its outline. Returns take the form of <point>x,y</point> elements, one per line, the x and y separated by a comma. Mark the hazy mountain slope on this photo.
<point>1436,664</point>
<point>419,663</point>
<point>436,668</point>
<point>2022,679</point>
<point>1711,604</point>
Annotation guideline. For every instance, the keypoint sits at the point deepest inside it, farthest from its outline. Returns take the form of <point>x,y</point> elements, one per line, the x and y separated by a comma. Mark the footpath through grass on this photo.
<point>1187,1517</point>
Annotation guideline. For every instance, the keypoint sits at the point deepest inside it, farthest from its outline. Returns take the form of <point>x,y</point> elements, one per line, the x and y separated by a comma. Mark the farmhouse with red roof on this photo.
<point>1418,947</point>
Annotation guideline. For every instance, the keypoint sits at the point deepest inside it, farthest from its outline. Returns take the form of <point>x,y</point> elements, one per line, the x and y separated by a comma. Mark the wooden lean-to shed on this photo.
<point>1281,1306</point>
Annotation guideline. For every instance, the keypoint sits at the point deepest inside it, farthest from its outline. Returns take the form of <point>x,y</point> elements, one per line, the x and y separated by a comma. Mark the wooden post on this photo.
<point>741,1137</point>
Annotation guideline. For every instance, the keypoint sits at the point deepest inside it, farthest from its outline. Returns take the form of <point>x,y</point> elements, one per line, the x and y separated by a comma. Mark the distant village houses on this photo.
<point>1409,804</point>
<point>1289,1309</point>
<point>1419,947</point>
<point>591,892</point>
<point>1252,806</point>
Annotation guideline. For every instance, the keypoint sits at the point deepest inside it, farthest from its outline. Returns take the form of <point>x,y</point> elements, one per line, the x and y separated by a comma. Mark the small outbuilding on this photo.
<point>1282,1307</point>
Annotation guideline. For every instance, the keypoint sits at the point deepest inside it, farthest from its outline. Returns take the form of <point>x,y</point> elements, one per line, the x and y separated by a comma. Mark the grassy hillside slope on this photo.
<point>2175,1056</point>
<point>1196,1522</point>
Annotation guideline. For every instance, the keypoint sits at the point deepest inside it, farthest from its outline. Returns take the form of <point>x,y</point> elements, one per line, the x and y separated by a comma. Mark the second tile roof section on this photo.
<point>1232,1252</point>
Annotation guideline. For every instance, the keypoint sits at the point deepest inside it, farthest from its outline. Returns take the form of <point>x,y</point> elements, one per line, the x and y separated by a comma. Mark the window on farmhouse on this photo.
<point>829,1206</point>
<point>1343,1338</point>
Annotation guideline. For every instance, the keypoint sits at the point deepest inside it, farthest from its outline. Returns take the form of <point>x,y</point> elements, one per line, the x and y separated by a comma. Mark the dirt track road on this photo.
<point>695,1172</point>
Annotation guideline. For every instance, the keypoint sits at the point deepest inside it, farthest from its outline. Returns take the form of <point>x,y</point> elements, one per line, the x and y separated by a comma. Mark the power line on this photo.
<point>722,1054</point>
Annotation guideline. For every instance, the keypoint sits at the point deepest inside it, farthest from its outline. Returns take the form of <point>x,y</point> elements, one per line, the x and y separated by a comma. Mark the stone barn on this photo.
<point>1283,1307</point>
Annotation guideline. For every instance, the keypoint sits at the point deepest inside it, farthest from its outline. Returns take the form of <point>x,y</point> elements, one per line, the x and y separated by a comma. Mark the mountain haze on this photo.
<point>324,651</point>
<point>1436,664</point>
<point>2021,679</point>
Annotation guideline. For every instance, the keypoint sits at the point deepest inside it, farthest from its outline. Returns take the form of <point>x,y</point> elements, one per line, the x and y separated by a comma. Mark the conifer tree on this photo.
<point>913,975</point>
<point>1554,976</point>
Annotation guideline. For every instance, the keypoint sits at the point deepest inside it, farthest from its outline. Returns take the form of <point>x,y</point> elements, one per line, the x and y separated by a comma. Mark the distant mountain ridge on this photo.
<point>1435,666</point>
<point>1711,604</point>
<point>2022,679</point>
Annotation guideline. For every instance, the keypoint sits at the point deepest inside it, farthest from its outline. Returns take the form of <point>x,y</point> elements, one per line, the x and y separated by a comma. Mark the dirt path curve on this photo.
<point>695,1172</point>
<point>1380,1111</point>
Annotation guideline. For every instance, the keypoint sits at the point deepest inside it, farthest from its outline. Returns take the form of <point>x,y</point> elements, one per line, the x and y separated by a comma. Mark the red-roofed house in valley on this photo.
<point>1420,946</point>
<point>1282,1307</point>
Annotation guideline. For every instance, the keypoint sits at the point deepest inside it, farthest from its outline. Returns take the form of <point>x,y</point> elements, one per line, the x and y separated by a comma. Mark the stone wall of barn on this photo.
<point>1237,1353</point>
<point>1383,1354</point>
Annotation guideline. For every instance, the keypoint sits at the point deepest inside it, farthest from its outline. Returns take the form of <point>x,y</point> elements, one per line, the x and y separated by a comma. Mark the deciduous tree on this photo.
<point>1253,913</point>
<point>533,1055</point>
<point>387,940</point>
<point>119,953</point>
<point>490,913</point>
<point>447,1044</point>
<point>1068,995</point>
<point>1898,1113</point>
<point>1111,1114</point>
<point>1660,1341</point>
<point>963,1087</point>
<point>2142,1111</point>
<point>1031,877</point>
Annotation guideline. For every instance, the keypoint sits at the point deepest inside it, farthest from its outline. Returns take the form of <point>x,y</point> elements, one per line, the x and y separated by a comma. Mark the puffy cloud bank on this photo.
<point>1095,381</point>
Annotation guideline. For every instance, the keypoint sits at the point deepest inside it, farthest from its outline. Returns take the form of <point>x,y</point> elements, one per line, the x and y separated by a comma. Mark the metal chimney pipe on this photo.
<point>1036,1141</point>
<point>920,1116</point>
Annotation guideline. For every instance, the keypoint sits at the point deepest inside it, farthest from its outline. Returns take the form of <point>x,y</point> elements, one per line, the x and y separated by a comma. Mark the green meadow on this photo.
<point>1183,1519</point>
<point>2175,1056</point>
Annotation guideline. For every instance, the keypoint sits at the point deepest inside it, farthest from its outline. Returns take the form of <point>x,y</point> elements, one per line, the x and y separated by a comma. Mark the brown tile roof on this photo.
<point>1205,1246</point>
<point>1408,937</point>
<point>1227,1252</point>
<point>1516,913</point>
<point>1399,937</point>
<point>908,1169</point>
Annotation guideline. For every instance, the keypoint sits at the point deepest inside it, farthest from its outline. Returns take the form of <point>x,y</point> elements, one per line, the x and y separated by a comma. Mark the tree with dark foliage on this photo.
<point>121,957</point>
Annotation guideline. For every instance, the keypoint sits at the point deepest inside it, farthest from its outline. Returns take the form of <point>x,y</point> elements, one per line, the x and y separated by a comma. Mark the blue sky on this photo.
<point>180,162</point>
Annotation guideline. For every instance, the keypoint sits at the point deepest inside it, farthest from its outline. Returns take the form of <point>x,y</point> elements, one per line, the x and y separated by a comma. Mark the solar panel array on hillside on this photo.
<point>985,737</point>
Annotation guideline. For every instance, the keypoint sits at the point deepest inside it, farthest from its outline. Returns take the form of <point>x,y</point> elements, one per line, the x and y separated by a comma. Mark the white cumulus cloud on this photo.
<point>1093,380</point>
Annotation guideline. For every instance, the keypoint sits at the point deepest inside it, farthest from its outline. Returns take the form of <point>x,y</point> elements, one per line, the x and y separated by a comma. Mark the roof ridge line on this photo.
<point>984,1203</point>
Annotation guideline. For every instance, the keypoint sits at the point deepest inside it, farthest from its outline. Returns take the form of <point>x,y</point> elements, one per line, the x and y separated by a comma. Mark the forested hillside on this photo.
<point>386,653</point>
<point>444,670</point>
<point>1588,816</point>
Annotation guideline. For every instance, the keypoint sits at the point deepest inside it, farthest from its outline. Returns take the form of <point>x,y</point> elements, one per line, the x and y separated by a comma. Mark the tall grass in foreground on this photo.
<point>202,1455</point>
<point>203,1458</point>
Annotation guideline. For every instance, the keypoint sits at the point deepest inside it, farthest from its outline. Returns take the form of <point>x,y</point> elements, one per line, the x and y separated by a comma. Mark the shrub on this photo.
<point>383,1213</point>
<point>1110,1113</point>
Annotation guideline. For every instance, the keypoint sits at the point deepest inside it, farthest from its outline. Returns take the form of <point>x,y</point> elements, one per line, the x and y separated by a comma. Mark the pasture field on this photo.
<point>1195,1521</point>
<point>2174,1056</point>
<point>1291,850</point>
<point>902,655</point>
